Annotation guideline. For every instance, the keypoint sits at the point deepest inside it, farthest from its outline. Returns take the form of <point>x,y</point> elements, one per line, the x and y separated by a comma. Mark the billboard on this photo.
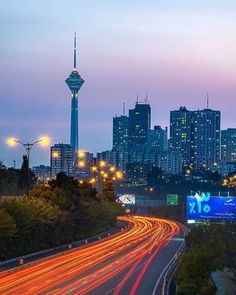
<point>207,207</point>
<point>128,199</point>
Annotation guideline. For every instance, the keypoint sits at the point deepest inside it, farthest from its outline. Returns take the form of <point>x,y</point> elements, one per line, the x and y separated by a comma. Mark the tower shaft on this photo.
<point>74,82</point>
<point>74,126</point>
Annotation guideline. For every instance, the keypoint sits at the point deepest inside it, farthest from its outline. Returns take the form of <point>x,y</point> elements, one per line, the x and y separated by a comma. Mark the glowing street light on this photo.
<point>44,141</point>
<point>11,141</point>
<point>81,164</point>
<point>112,168</point>
<point>94,168</point>
<point>81,154</point>
<point>102,163</point>
<point>119,175</point>
<point>55,154</point>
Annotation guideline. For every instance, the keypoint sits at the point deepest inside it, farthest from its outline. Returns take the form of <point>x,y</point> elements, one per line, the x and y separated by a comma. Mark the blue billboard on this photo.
<point>207,207</point>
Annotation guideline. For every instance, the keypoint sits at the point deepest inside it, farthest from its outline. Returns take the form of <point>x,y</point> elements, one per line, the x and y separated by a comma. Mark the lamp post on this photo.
<point>28,147</point>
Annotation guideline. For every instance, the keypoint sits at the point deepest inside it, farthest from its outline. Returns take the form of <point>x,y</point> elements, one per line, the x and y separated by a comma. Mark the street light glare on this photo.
<point>81,164</point>
<point>119,175</point>
<point>81,154</point>
<point>55,154</point>
<point>94,168</point>
<point>11,141</point>
<point>102,163</point>
<point>112,168</point>
<point>44,141</point>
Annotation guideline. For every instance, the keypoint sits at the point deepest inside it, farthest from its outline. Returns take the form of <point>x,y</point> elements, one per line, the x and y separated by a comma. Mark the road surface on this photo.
<point>130,262</point>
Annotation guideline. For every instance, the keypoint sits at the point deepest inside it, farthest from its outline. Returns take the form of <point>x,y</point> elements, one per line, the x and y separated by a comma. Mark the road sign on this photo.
<point>172,200</point>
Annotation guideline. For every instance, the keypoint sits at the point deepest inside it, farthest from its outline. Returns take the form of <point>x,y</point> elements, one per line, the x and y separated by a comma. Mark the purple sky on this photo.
<point>175,52</point>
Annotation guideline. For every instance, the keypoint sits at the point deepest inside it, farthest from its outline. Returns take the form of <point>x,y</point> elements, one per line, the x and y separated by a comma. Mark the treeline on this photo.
<point>59,212</point>
<point>212,247</point>
<point>204,181</point>
<point>170,212</point>
<point>14,181</point>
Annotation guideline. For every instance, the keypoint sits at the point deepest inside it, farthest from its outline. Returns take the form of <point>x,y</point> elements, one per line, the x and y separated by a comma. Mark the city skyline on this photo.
<point>142,59</point>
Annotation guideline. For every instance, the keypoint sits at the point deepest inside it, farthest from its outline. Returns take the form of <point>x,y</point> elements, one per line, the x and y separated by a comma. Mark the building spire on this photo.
<point>123,108</point>
<point>146,98</point>
<point>75,51</point>
<point>207,100</point>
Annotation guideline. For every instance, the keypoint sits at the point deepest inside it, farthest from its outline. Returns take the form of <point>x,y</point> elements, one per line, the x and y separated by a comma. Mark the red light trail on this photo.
<point>81,270</point>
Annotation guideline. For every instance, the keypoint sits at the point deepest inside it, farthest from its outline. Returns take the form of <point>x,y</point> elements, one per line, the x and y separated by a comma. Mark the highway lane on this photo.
<point>145,278</point>
<point>121,264</point>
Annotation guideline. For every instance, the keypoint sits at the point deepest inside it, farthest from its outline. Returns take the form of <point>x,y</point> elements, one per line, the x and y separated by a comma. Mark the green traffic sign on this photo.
<point>172,200</point>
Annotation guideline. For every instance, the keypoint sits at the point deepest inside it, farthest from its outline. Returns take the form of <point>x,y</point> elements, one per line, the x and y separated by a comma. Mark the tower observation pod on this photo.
<point>74,82</point>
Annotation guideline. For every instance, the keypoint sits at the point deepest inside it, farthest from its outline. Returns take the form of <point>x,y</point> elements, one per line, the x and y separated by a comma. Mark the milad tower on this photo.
<point>74,82</point>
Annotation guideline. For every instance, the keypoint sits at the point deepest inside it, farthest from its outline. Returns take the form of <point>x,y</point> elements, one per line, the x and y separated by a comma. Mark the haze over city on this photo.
<point>174,51</point>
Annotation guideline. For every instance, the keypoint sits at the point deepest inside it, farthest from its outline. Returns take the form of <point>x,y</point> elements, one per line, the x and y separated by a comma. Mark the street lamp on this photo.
<point>44,141</point>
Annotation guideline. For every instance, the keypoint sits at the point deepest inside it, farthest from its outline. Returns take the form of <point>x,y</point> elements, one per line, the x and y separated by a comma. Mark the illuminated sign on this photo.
<point>172,200</point>
<point>126,199</point>
<point>207,207</point>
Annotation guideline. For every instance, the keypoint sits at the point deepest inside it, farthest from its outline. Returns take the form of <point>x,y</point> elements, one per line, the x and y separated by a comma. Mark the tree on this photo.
<point>7,225</point>
<point>59,212</point>
<point>25,177</point>
<point>108,192</point>
<point>35,222</point>
<point>196,268</point>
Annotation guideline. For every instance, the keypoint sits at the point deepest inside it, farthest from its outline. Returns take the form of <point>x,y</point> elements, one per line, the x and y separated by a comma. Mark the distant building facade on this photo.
<point>157,140</point>
<point>42,172</point>
<point>205,142</point>
<point>180,134</point>
<point>62,158</point>
<point>120,134</point>
<point>228,145</point>
<point>139,124</point>
<point>196,135</point>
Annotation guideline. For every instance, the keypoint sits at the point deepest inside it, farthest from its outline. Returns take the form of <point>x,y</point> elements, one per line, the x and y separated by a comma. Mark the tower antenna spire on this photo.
<point>146,98</point>
<point>123,108</point>
<point>137,98</point>
<point>207,100</point>
<point>74,50</point>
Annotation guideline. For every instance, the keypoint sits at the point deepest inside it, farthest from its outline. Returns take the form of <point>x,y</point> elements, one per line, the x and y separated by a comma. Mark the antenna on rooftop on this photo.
<point>123,108</point>
<point>146,98</point>
<point>207,100</point>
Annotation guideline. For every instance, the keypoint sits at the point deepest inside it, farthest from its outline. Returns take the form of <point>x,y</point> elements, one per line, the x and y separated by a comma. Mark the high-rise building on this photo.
<point>139,124</point>
<point>85,160</point>
<point>74,82</point>
<point>120,134</point>
<point>62,156</point>
<point>205,138</point>
<point>157,140</point>
<point>180,133</point>
<point>228,145</point>
<point>169,162</point>
<point>224,141</point>
<point>196,135</point>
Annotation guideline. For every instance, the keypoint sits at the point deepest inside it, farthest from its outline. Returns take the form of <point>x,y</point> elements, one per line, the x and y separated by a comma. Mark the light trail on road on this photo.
<point>81,270</point>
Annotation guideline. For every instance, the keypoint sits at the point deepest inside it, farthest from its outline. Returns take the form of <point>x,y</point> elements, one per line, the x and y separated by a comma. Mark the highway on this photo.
<point>130,262</point>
